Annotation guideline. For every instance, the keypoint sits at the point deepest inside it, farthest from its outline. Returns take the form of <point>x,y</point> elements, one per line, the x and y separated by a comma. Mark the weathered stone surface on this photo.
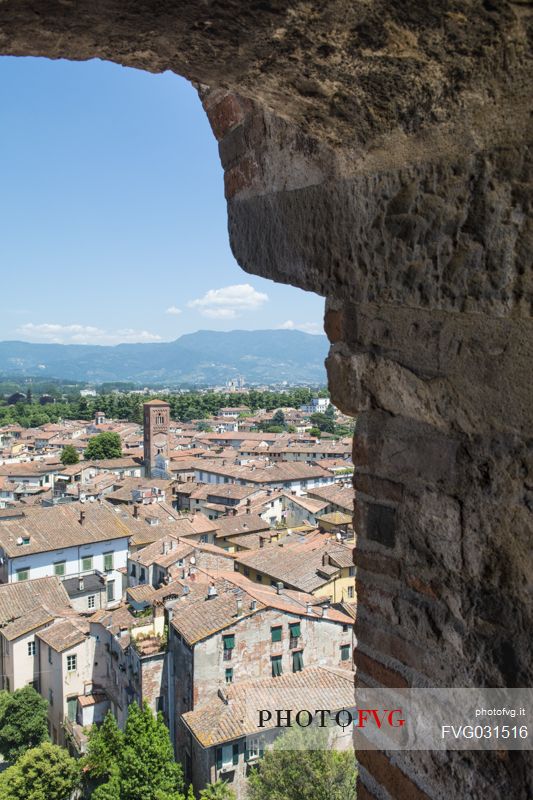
<point>379,153</point>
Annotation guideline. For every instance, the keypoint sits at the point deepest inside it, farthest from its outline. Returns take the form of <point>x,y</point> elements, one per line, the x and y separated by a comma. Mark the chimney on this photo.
<point>234,510</point>
<point>239,606</point>
<point>248,502</point>
<point>248,511</point>
<point>261,541</point>
<point>309,608</point>
<point>253,605</point>
<point>135,511</point>
<point>279,587</point>
<point>82,517</point>
<point>211,591</point>
<point>325,608</point>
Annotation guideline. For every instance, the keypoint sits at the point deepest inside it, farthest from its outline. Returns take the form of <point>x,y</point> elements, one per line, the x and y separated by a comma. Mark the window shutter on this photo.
<point>276,633</point>
<point>219,758</point>
<point>229,642</point>
<point>276,666</point>
<point>235,754</point>
<point>294,628</point>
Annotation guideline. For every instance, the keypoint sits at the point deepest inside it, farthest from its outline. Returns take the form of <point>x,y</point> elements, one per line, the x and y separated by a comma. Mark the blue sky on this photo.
<point>113,216</point>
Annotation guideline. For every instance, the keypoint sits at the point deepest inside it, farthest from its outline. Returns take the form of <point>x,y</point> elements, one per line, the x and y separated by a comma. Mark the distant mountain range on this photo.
<point>204,357</point>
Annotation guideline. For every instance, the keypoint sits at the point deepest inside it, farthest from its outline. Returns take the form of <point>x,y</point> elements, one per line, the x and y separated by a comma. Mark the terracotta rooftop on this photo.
<point>299,565</point>
<point>58,527</point>
<point>64,634</point>
<point>18,599</point>
<point>224,720</point>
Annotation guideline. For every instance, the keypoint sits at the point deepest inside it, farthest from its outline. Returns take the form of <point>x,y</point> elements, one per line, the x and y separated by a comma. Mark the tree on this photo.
<point>323,422</point>
<point>104,748</point>
<point>279,418</point>
<point>69,455</point>
<point>46,772</point>
<point>137,764</point>
<point>315,432</point>
<point>218,791</point>
<point>301,765</point>
<point>103,445</point>
<point>23,722</point>
<point>147,761</point>
<point>204,426</point>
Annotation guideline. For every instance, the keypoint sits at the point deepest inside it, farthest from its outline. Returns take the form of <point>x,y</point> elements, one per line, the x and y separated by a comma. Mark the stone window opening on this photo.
<point>420,289</point>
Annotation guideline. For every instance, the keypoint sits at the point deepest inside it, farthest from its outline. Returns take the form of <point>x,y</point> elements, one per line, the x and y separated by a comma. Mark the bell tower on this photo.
<point>156,438</point>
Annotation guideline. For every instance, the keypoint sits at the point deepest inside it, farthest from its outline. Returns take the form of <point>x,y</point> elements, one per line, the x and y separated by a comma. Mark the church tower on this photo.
<point>156,438</point>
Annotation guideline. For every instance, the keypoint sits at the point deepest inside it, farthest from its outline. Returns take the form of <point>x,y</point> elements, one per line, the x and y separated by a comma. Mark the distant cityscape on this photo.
<point>176,562</point>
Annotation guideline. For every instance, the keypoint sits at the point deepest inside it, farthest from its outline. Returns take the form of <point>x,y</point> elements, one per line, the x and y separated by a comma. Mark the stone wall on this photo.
<point>378,153</point>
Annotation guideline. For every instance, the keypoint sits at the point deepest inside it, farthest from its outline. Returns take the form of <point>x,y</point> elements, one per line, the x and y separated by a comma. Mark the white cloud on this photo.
<point>307,327</point>
<point>83,334</point>
<point>173,311</point>
<point>229,302</point>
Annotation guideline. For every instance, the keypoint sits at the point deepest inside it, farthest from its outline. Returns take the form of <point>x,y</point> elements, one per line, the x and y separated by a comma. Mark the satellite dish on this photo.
<point>82,499</point>
<point>92,498</point>
<point>193,560</point>
<point>19,540</point>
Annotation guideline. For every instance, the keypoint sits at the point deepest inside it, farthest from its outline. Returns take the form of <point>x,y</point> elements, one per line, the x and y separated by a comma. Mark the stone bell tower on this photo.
<point>156,438</point>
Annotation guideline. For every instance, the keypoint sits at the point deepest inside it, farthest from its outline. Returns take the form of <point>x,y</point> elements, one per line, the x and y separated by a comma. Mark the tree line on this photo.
<point>184,407</point>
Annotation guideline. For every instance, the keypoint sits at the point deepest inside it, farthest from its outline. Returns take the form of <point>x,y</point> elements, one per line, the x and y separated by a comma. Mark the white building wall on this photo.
<point>41,565</point>
<point>63,684</point>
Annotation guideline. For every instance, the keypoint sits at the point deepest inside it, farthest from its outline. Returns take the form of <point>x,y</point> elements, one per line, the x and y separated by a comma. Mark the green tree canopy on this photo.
<point>301,766</point>
<point>137,764</point>
<point>103,445</point>
<point>323,422</point>
<point>23,722</point>
<point>278,418</point>
<point>46,772</point>
<point>218,791</point>
<point>69,455</point>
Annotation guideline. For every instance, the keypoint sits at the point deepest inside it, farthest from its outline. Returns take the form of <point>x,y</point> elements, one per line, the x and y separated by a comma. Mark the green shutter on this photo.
<point>297,661</point>
<point>294,628</point>
<point>72,703</point>
<point>345,652</point>
<point>276,633</point>
<point>276,666</point>
<point>87,564</point>
<point>219,758</point>
<point>108,562</point>
<point>235,754</point>
<point>229,642</point>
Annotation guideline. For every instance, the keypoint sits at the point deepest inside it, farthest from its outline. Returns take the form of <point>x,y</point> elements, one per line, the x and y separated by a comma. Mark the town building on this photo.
<point>67,541</point>
<point>25,609</point>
